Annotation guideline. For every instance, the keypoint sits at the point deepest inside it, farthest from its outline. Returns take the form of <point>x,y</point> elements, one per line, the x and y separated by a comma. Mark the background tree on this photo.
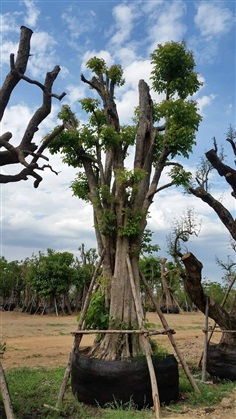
<point>35,284</point>
<point>150,267</point>
<point>216,291</point>
<point>11,284</point>
<point>12,154</point>
<point>51,276</point>
<point>121,196</point>
<point>85,267</point>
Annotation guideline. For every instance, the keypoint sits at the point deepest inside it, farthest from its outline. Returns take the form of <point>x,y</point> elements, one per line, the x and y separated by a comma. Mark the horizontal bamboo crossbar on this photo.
<point>218,331</point>
<point>143,332</point>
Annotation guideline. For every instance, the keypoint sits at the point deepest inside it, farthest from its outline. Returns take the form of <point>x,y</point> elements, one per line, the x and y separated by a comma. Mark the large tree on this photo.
<point>26,154</point>
<point>121,196</point>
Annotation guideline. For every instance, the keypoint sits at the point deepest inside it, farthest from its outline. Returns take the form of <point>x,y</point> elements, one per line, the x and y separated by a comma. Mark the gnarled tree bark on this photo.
<point>192,283</point>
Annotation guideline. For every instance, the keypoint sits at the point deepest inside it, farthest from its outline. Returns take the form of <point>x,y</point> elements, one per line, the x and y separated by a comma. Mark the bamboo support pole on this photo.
<point>155,393</point>
<point>171,338</point>
<point>119,331</point>
<point>204,359</point>
<point>78,338</point>
<point>5,393</point>
<point>220,331</point>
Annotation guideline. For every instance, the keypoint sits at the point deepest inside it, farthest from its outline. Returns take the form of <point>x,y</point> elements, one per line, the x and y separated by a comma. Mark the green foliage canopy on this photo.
<point>53,273</point>
<point>173,70</point>
<point>98,148</point>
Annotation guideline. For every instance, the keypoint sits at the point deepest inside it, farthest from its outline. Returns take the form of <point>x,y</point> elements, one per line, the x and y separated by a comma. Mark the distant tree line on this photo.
<point>47,282</point>
<point>57,282</point>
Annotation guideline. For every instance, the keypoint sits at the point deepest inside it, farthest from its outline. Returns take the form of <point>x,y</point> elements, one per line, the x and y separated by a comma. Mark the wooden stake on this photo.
<point>5,394</point>
<point>204,361</point>
<point>78,338</point>
<point>155,394</point>
<point>55,302</point>
<point>170,336</point>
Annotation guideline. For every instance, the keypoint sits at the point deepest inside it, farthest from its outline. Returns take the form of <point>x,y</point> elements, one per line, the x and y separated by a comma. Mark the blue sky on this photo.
<point>68,33</point>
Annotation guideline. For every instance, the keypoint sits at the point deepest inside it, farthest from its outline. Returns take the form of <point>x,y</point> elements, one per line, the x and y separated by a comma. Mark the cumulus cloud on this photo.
<point>127,54</point>
<point>75,92</point>
<point>9,23</point>
<point>32,13</point>
<point>44,56</point>
<point>166,24</point>
<point>7,48</point>
<point>161,20</point>
<point>212,19</point>
<point>138,69</point>
<point>124,15</point>
<point>43,225</point>
<point>127,105</point>
<point>21,115</point>
<point>78,25</point>
<point>205,101</point>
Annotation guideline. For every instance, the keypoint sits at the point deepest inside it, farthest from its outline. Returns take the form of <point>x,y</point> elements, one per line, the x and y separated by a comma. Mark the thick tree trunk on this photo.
<point>192,283</point>
<point>122,309</point>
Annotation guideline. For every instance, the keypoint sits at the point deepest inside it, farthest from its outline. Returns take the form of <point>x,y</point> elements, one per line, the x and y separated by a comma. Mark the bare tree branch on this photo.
<point>222,169</point>
<point>18,154</point>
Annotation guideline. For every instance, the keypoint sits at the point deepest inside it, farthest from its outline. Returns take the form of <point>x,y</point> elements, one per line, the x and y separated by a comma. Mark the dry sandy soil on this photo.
<point>45,341</point>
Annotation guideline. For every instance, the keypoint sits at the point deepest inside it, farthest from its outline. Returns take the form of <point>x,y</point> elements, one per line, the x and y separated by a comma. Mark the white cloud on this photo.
<point>229,109</point>
<point>212,19</point>
<point>21,115</point>
<point>44,56</point>
<point>138,69</point>
<point>166,24</point>
<point>32,13</point>
<point>7,48</point>
<point>77,24</point>
<point>126,55</point>
<point>64,72</point>
<point>127,105</point>
<point>36,215</point>
<point>124,15</point>
<point>75,93</point>
<point>205,50</point>
<point>8,23</point>
<point>127,96</point>
<point>151,6</point>
<point>205,101</point>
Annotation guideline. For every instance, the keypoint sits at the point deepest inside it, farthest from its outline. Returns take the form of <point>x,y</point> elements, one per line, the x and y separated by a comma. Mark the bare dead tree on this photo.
<point>221,357</point>
<point>217,163</point>
<point>26,147</point>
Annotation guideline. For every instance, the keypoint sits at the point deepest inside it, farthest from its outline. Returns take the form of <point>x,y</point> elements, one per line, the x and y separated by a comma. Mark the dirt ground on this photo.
<point>45,341</point>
